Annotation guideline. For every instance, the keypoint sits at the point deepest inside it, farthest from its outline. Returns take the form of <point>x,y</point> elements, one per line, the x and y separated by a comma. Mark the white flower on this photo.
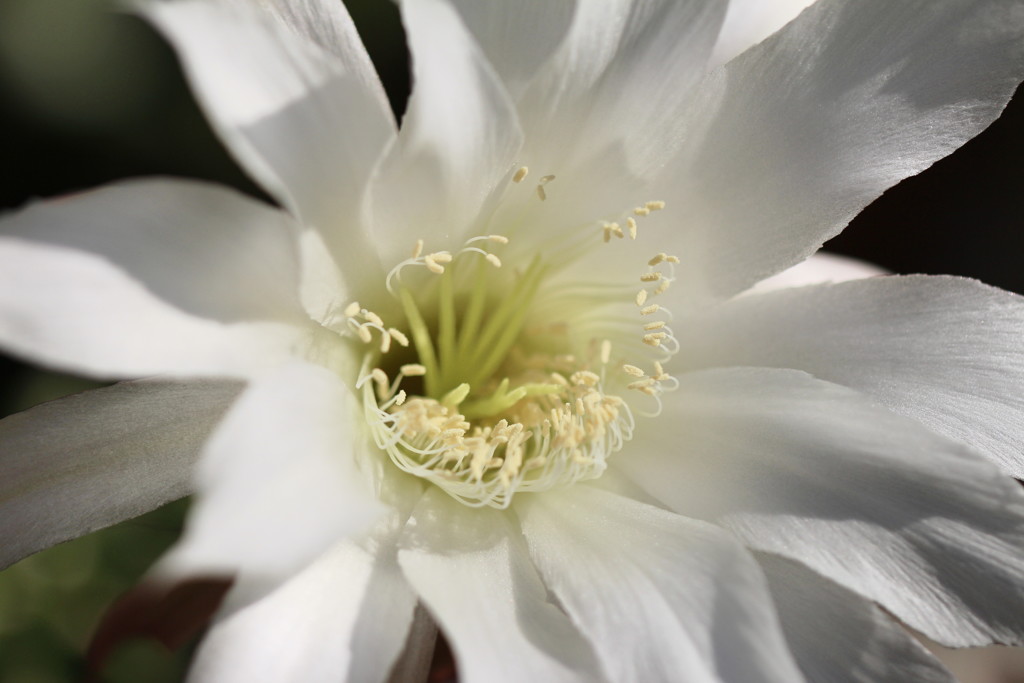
<point>587,201</point>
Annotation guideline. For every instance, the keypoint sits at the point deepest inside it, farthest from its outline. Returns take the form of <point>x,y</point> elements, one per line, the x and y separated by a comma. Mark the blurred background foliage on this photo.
<point>90,94</point>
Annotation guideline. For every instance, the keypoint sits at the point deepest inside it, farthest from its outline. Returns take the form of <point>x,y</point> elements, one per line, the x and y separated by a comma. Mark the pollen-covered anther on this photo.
<point>631,227</point>
<point>364,333</point>
<point>633,370</point>
<point>541,193</point>
<point>493,260</point>
<point>500,239</point>
<point>417,249</point>
<point>520,174</point>
<point>650,277</point>
<point>641,298</point>
<point>650,310</point>
<point>352,310</point>
<point>656,325</point>
<point>433,261</point>
<point>654,338</point>
<point>662,287</point>
<point>641,211</point>
<point>413,370</point>
<point>655,205</point>
<point>398,336</point>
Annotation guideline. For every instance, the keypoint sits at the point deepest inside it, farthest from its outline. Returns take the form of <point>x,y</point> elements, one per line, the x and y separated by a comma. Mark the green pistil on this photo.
<point>502,399</point>
<point>421,339</point>
<point>446,332</point>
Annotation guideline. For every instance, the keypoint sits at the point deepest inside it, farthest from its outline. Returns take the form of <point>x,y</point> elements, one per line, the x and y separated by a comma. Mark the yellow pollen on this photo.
<point>607,233</point>
<point>641,211</point>
<point>655,205</point>
<point>650,381</point>
<point>546,179</point>
<point>653,308</point>
<point>413,370</point>
<point>657,325</point>
<point>650,277</point>
<point>520,174</point>
<point>641,298</point>
<point>633,370</point>
<point>352,310</point>
<point>400,397</point>
<point>658,258</point>
<point>663,287</point>
<point>631,226</point>
<point>672,259</point>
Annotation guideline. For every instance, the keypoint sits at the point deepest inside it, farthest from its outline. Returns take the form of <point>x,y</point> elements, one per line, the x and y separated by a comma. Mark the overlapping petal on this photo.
<point>278,481</point>
<point>943,350</point>
<point>748,22</point>
<point>293,95</point>
<point>873,500</point>
<point>151,276</point>
<point>838,636</point>
<point>477,580</point>
<point>661,597</point>
<point>90,460</point>
<point>795,136</point>
<point>458,139</point>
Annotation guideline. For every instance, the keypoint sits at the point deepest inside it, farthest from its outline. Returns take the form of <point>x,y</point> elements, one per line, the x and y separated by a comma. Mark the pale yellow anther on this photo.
<point>418,249</point>
<point>650,277</point>
<point>658,258</point>
<point>432,265</point>
<point>373,318</point>
<point>493,260</point>
<point>381,379</point>
<point>364,333</point>
<point>585,377</point>
<point>400,397</point>
<point>520,174</point>
<point>413,370</point>
<point>399,336</point>
<point>653,308</point>
<point>641,297</point>
<point>580,408</point>
<point>663,287</point>
<point>654,339</point>
<point>641,383</point>
<point>541,194</point>
<point>656,205</point>
<point>559,379</point>
<point>641,211</point>
<point>607,233</point>
<point>617,230</point>
<point>385,343</point>
<point>659,372</point>
<point>500,239</point>
<point>672,259</point>
<point>657,325</point>
<point>352,310</point>
<point>631,226</point>
<point>546,179</point>
<point>633,370</point>
<point>606,351</point>
<point>441,257</point>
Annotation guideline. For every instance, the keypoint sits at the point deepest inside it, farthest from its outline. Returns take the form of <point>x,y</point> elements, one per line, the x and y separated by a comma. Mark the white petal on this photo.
<point>820,268</point>
<point>472,571</point>
<point>458,138</point>
<point>943,350</point>
<point>838,636</point>
<point>307,123</point>
<point>748,22</point>
<point>870,499</point>
<point>617,84</point>
<point>90,460</point>
<point>789,141</point>
<point>278,481</point>
<point>343,618</point>
<point>661,597</point>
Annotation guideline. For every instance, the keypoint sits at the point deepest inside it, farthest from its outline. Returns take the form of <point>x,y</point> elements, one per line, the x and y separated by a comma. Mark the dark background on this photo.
<point>89,95</point>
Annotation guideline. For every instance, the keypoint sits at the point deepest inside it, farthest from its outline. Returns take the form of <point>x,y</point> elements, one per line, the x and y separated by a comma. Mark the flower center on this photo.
<point>488,387</point>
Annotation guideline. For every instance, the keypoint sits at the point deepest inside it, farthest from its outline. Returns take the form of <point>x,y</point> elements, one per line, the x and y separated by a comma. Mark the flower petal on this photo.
<point>475,577</point>
<point>307,123</point>
<point>278,481</point>
<point>820,268</point>
<point>315,626</point>
<point>748,22</point>
<point>838,636</point>
<point>870,499</point>
<point>458,138</point>
<point>679,599</point>
<point>145,277</point>
<point>90,460</point>
<point>794,137</point>
<point>943,350</point>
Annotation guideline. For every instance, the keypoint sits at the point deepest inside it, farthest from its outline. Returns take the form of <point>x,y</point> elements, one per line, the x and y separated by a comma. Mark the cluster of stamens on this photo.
<point>493,407</point>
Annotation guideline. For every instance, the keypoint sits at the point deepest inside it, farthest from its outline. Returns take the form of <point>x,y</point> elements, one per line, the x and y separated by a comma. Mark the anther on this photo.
<point>653,308</point>
<point>633,370</point>
<point>364,334</point>
<point>631,226</point>
<point>432,265</point>
<point>493,260</point>
<point>399,336</point>
<point>606,352</point>
<point>500,239</point>
<point>641,211</point>
<point>418,249</point>
<point>400,397</point>
<point>617,230</point>
<point>373,318</point>
<point>650,277</point>
<point>352,310</point>
<point>607,233</point>
<point>520,174</point>
<point>658,258</point>
<point>641,297</point>
<point>413,370</point>
<point>657,325</point>
<point>654,339</point>
<point>656,205</point>
<point>663,287</point>
<point>385,343</point>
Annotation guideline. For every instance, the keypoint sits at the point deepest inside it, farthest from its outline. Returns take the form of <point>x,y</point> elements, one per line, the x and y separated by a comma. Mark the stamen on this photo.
<point>352,310</point>
<point>418,249</point>
<point>631,226</point>
<point>653,308</point>
<point>633,370</point>
<point>520,174</point>
<point>650,277</point>
<point>641,211</point>
<point>641,298</point>
<point>657,325</point>
<point>655,205</point>
<point>606,352</point>
<point>413,370</point>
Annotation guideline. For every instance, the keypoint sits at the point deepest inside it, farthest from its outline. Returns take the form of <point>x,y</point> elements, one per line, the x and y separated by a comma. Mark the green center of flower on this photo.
<point>487,387</point>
